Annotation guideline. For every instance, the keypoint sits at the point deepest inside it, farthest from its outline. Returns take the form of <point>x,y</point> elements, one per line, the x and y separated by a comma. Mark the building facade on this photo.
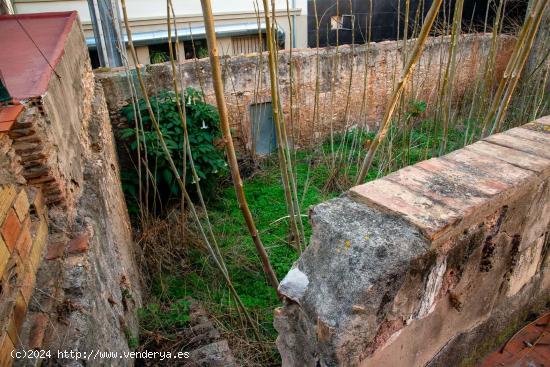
<point>239,24</point>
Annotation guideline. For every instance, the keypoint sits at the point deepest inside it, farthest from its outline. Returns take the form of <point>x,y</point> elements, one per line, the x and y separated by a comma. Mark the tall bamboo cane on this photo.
<point>398,91</point>
<point>180,104</point>
<point>194,213</point>
<point>514,68</point>
<point>228,140</point>
<point>448,80</point>
<point>287,173</point>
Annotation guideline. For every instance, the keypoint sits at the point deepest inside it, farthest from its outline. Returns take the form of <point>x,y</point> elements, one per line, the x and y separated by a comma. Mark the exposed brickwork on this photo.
<point>24,233</point>
<point>30,143</point>
<point>8,116</point>
<point>10,229</point>
<point>62,166</point>
<point>454,250</point>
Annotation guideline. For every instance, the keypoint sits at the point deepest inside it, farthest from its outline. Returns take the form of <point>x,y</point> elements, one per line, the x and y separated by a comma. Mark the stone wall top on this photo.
<point>444,195</point>
<point>425,265</point>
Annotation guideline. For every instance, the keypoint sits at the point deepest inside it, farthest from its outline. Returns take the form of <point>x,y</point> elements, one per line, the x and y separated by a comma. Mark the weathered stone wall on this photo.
<point>365,74</point>
<point>428,266</point>
<point>87,288</point>
<point>51,133</point>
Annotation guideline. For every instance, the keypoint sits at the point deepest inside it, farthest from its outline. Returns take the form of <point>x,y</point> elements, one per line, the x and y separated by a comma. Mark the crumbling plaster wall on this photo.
<point>87,284</point>
<point>88,291</point>
<point>52,136</point>
<point>428,266</point>
<point>365,73</point>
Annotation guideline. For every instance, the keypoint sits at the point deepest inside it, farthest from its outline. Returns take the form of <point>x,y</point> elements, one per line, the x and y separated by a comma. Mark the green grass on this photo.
<point>264,192</point>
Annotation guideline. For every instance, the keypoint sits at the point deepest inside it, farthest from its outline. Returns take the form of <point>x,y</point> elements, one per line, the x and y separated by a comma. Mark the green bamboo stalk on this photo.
<point>450,73</point>
<point>536,14</point>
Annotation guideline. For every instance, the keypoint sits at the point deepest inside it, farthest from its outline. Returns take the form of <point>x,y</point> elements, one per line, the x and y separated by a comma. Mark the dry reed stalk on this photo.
<point>317,70</point>
<point>450,70</point>
<point>180,104</point>
<point>285,162</point>
<point>194,213</point>
<point>394,100</point>
<point>230,149</point>
<point>514,68</point>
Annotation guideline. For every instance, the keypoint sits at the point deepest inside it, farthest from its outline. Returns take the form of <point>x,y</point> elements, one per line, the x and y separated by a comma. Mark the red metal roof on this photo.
<point>529,347</point>
<point>24,69</point>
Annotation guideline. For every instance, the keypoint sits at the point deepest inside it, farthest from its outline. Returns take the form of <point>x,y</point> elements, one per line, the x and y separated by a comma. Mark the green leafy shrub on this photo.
<point>203,128</point>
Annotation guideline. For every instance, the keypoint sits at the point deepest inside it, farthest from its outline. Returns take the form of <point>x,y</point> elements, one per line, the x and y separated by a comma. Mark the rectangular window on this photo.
<point>342,22</point>
<point>161,53</point>
<point>197,48</point>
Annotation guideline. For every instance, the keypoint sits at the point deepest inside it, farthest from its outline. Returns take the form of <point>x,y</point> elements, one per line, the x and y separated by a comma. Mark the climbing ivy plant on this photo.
<point>203,128</point>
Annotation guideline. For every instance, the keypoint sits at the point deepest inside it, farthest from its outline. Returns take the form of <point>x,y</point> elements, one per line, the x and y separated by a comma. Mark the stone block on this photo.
<point>430,216</point>
<point>524,145</point>
<point>454,172</point>
<point>516,157</point>
<point>453,193</point>
<point>21,205</point>
<point>530,134</point>
<point>10,229</point>
<point>367,256</point>
<point>496,169</point>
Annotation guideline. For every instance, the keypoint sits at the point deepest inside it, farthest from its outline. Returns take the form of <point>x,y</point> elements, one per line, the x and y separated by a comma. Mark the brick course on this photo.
<point>24,232</point>
<point>10,229</point>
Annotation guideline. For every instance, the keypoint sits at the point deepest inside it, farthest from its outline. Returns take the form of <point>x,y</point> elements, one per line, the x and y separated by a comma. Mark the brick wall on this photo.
<point>23,235</point>
<point>432,265</point>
